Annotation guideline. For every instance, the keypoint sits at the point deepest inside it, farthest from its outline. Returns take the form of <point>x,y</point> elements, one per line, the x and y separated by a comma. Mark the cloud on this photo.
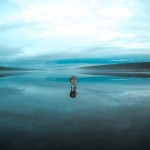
<point>73,27</point>
<point>7,51</point>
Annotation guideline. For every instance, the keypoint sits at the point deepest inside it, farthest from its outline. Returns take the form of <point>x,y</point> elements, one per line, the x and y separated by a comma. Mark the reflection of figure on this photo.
<point>73,92</point>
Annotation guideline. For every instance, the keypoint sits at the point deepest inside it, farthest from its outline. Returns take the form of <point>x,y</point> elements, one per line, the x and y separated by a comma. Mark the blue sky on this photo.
<point>42,32</point>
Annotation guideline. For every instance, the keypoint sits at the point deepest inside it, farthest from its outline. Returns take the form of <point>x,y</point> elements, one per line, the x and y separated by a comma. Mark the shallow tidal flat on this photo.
<point>109,112</point>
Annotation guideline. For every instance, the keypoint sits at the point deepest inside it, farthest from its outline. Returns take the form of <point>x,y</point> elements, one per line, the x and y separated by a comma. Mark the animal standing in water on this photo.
<point>73,92</point>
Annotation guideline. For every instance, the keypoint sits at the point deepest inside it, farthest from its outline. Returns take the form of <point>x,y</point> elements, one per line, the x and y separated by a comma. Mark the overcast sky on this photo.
<point>61,29</point>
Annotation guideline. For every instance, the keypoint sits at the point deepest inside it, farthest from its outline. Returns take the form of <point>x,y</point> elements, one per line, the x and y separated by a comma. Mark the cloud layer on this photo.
<point>73,28</point>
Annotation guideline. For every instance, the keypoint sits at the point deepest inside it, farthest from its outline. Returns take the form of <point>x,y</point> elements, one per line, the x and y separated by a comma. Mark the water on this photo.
<point>37,112</point>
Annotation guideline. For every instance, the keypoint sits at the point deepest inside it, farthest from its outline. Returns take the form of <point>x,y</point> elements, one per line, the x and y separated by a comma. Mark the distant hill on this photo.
<point>139,70</point>
<point>12,69</point>
<point>130,67</point>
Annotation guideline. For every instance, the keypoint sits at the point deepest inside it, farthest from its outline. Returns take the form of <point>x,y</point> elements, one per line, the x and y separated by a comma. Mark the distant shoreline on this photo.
<point>139,70</point>
<point>13,69</point>
<point>126,67</point>
<point>7,69</point>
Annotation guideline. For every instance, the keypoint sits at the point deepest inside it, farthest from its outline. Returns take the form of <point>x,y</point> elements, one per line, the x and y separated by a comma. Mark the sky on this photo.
<point>39,33</point>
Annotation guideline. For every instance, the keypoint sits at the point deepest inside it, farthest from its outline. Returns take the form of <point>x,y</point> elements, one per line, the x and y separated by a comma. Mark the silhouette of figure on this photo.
<point>73,92</point>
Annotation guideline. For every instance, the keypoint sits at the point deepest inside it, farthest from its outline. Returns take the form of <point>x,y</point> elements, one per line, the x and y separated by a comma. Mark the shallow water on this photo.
<point>109,112</point>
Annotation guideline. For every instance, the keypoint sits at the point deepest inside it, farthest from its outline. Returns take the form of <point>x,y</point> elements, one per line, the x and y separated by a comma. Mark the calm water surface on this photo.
<point>108,113</point>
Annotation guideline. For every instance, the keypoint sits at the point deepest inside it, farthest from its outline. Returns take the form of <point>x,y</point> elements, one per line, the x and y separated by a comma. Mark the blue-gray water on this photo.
<point>108,113</point>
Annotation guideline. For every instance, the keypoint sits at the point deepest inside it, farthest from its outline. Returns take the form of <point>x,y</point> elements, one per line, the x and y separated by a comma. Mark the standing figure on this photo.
<point>73,92</point>
<point>73,80</point>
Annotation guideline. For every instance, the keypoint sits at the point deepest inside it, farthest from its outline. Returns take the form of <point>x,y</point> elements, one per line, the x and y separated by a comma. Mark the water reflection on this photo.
<point>110,112</point>
<point>73,92</point>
